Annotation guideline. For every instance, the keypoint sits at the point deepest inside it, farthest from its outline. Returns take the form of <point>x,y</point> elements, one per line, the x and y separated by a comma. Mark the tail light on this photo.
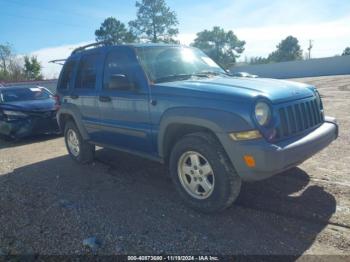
<point>57,101</point>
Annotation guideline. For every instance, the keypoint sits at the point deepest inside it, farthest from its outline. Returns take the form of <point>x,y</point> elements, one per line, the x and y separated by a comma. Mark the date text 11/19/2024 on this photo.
<point>173,258</point>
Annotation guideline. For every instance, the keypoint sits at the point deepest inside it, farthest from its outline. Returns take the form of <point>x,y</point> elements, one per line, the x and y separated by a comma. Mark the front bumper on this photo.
<point>272,159</point>
<point>28,126</point>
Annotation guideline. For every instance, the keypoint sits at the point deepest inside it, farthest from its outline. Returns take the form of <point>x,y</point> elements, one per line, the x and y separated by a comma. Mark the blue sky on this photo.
<point>45,27</point>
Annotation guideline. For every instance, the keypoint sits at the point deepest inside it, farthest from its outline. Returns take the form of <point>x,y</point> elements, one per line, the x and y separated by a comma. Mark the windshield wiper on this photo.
<point>207,73</point>
<point>210,73</point>
<point>173,77</point>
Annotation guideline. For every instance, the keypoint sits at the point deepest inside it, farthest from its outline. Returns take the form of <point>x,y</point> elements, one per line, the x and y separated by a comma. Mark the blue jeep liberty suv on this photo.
<point>175,105</point>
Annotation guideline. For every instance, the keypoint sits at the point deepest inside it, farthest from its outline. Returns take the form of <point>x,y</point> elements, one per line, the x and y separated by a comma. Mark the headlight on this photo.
<point>262,113</point>
<point>14,113</point>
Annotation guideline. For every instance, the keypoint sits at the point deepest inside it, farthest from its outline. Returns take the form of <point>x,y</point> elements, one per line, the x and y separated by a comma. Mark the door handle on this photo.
<point>74,96</point>
<point>105,99</point>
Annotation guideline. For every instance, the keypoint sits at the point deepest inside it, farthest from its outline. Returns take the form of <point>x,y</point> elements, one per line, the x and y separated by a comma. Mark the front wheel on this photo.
<point>202,173</point>
<point>79,149</point>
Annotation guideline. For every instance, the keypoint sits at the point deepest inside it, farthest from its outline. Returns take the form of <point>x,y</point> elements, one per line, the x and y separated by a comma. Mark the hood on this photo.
<point>32,105</point>
<point>276,91</point>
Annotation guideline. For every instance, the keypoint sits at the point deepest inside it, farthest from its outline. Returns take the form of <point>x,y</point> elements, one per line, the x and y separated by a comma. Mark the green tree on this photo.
<point>16,71</point>
<point>32,68</point>
<point>114,32</point>
<point>223,47</point>
<point>11,68</point>
<point>258,60</point>
<point>155,22</point>
<point>346,51</point>
<point>5,59</point>
<point>287,50</point>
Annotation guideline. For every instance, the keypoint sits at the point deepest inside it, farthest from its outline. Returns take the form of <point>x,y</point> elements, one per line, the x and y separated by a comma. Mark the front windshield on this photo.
<point>169,63</point>
<point>24,94</point>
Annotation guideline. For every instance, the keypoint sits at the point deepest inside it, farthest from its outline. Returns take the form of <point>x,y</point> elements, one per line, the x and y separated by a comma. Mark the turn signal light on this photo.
<point>246,135</point>
<point>249,161</point>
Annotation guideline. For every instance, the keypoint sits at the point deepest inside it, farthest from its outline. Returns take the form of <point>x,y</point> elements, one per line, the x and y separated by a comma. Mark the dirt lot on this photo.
<point>49,204</point>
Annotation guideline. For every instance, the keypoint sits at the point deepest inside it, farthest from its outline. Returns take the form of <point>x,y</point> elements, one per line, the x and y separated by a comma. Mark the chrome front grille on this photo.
<point>298,117</point>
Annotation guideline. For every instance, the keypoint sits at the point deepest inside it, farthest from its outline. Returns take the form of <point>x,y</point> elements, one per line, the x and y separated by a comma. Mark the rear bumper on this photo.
<point>28,126</point>
<point>272,159</point>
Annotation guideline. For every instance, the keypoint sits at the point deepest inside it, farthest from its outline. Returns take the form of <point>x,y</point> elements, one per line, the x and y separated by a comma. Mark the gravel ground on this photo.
<point>50,205</point>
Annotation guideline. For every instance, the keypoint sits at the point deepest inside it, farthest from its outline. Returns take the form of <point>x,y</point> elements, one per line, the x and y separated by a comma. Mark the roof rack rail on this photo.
<point>81,48</point>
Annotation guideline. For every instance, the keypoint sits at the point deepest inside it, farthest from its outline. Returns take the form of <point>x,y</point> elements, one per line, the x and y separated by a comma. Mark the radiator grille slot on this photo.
<point>298,117</point>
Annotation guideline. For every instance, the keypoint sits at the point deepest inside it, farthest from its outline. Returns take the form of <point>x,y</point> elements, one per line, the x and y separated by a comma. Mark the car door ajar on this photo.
<point>124,102</point>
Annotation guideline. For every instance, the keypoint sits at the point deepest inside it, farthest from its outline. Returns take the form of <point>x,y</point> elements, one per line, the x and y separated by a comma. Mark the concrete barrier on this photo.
<point>306,68</point>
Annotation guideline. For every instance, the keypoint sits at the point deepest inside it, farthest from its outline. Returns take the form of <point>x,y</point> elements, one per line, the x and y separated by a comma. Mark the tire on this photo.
<point>84,152</point>
<point>220,189</point>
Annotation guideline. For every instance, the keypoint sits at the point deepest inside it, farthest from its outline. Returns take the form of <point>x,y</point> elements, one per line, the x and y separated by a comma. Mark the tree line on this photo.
<point>16,68</point>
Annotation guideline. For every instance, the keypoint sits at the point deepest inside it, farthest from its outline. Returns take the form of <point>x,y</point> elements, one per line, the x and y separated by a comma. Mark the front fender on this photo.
<point>217,121</point>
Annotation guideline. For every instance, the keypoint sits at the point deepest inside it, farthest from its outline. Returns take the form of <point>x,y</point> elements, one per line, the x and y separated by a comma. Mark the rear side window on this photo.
<point>87,72</point>
<point>67,75</point>
<point>116,72</point>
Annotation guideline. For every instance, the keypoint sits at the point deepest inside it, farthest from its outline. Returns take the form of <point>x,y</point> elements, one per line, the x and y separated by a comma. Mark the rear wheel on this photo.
<point>80,150</point>
<point>202,173</point>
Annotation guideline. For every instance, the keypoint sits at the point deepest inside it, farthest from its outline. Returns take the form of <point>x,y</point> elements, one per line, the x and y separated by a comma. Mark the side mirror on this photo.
<point>120,82</point>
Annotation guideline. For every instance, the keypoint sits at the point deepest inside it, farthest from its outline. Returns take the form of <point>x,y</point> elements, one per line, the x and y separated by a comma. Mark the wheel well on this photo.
<point>64,118</point>
<point>175,132</point>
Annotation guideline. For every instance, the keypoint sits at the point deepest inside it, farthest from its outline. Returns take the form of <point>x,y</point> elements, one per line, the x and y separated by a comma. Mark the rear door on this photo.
<point>84,94</point>
<point>124,102</point>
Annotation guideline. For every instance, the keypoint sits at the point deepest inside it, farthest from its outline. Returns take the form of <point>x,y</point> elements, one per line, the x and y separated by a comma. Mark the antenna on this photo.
<point>58,61</point>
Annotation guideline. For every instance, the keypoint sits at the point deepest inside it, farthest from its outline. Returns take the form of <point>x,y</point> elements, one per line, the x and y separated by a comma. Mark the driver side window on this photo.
<point>116,72</point>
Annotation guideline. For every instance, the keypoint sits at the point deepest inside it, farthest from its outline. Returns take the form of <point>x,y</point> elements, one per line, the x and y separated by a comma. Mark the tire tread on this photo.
<point>208,140</point>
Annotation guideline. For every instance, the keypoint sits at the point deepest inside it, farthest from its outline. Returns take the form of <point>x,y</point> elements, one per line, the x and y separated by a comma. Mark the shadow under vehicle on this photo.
<point>127,200</point>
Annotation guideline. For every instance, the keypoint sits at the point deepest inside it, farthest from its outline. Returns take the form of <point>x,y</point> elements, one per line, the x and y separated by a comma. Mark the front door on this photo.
<point>124,102</point>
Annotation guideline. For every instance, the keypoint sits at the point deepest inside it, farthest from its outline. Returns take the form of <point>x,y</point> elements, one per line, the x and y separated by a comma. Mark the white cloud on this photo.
<point>45,55</point>
<point>329,38</point>
<point>186,39</point>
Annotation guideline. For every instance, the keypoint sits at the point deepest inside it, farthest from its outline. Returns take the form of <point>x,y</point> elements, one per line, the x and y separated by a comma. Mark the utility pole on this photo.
<point>310,47</point>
